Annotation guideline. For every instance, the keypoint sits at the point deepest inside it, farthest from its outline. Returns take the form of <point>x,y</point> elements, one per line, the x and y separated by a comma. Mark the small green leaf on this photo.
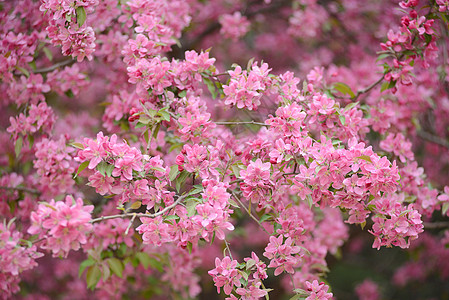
<point>69,93</point>
<point>211,87</point>
<point>344,88</point>
<point>182,177</point>
<point>164,115</point>
<point>445,208</point>
<point>77,145</point>
<point>81,167</point>
<point>250,263</point>
<point>93,277</point>
<point>144,259</point>
<point>116,266</point>
<point>265,217</point>
<point>48,53</point>
<point>189,247</point>
<point>24,71</point>
<point>365,157</point>
<point>136,205</point>
<point>382,56</point>
<point>87,263</point>
<point>174,171</point>
<point>171,217</point>
<point>342,120</point>
<point>18,146</point>
<point>80,15</point>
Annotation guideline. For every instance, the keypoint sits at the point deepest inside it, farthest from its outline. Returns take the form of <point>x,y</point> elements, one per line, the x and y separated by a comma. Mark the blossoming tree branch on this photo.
<point>156,148</point>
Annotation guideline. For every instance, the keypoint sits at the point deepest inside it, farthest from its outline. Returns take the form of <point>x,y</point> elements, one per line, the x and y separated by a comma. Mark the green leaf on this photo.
<point>136,205</point>
<point>139,125</point>
<point>48,53</point>
<point>24,71</point>
<point>365,157</point>
<point>309,201</point>
<point>144,259</point>
<point>196,189</point>
<point>342,120</point>
<point>351,106</point>
<point>101,167</point>
<point>382,56</point>
<point>344,88</point>
<point>80,15</point>
<point>174,171</point>
<point>69,93</point>
<point>236,170</point>
<point>265,217</point>
<point>18,146</point>
<point>250,263</point>
<point>156,264</point>
<point>87,263</point>
<point>77,145</point>
<point>81,167</point>
<point>156,130</point>
<point>164,114</point>
<point>189,247</point>
<point>108,170</point>
<point>182,177</point>
<point>93,277</point>
<point>116,266</point>
<point>386,85</point>
<point>171,217</point>
<point>445,208</point>
<point>211,87</point>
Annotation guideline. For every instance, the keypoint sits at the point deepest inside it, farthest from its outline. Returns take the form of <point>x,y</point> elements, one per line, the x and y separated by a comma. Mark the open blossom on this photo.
<point>234,26</point>
<point>245,89</point>
<point>318,291</point>
<point>15,259</point>
<point>368,290</point>
<point>225,274</point>
<point>64,225</point>
<point>284,256</point>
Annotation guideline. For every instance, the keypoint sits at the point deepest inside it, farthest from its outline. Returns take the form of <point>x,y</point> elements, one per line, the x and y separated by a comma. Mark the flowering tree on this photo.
<point>159,147</point>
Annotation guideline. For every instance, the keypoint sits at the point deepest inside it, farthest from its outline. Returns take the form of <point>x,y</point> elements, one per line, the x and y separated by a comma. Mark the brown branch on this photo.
<point>21,189</point>
<point>249,213</point>
<point>368,88</point>
<point>436,225</point>
<point>140,215</point>
<point>433,138</point>
<point>55,66</point>
<point>242,123</point>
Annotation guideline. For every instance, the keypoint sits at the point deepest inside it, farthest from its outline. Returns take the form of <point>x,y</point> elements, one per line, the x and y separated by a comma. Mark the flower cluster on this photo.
<point>234,26</point>
<point>40,117</point>
<point>63,225</point>
<point>15,259</point>
<point>246,88</point>
<point>55,166</point>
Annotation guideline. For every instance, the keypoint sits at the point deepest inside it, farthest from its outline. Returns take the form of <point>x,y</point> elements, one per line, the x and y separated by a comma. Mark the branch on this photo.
<point>436,225</point>
<point>55,66</point>
<point>242,123</point>
<point>140,215</point>
<point>368,88</point>
<point>22,189</point>
<point>433,138</point>
<point>249,213</point>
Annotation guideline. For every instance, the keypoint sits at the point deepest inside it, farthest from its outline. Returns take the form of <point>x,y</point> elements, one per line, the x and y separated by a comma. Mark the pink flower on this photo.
<point>225,274</point>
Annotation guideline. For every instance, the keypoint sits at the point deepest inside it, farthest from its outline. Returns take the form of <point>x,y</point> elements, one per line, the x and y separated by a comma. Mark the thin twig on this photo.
<point>22,189</point>
<point>436,225</point>
<point>369,88</point>
<point>55,66</point>
<point>242,123</point>
<point>130,224</point>
<point>249,213</point>
<point>433,138</point>
<point>140,215</point>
